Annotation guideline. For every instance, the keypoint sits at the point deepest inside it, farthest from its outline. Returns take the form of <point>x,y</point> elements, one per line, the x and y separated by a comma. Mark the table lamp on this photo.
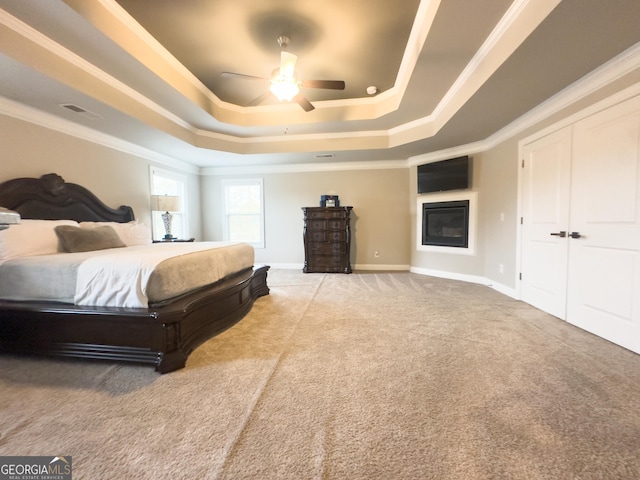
<point>166,204</point>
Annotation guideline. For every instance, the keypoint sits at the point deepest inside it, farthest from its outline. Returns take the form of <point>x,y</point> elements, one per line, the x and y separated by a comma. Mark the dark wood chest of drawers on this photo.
<point>327,239</point>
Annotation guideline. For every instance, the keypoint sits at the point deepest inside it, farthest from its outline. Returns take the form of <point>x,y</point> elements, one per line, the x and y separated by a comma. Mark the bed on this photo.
<point>161,333</point>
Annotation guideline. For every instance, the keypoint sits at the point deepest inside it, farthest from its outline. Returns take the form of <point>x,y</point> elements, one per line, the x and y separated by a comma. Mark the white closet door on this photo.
<point>604,259</point>
<point>545,221</point>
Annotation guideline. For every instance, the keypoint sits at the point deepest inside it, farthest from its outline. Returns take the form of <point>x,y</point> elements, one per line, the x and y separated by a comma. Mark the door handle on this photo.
<point>560,234</point>
<point>575,235</point>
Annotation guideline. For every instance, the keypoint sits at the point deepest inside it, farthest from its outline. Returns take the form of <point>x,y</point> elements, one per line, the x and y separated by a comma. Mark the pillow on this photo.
<point>131,233</point>
<point>76,239</point>
<point>31,237</point>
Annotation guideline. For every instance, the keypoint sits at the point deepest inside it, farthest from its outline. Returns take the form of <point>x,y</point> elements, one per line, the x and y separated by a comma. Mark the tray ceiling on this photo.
<point>447,73</point>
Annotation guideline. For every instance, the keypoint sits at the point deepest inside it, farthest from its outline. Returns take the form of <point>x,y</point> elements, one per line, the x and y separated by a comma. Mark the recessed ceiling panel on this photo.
<point>360,41</point>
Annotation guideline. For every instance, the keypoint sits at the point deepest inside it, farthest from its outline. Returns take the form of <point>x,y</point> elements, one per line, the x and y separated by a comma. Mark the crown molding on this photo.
<point>132,25</point>
<point>71,58</point>
<point>625,63</point>
<point>34,116</point>
<point>309,167</point>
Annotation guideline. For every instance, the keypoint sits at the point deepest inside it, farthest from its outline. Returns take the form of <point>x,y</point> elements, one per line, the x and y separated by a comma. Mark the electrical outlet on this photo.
<point>376,254</point>
<point>501,268</point>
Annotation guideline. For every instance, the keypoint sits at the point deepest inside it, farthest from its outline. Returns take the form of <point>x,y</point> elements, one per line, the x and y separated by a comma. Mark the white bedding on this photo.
<point>122,277</point>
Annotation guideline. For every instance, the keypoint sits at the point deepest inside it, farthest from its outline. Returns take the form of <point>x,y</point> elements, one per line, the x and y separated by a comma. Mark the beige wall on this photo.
<point>380,220</point>
<point>498,221</point>
<point>116,178</point>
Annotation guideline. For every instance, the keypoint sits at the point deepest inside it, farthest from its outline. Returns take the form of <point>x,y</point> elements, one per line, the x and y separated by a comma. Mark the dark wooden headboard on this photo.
<point>51,198</point>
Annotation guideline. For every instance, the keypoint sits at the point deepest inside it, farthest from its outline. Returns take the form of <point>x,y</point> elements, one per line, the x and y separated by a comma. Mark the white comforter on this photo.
<point>122,277</point>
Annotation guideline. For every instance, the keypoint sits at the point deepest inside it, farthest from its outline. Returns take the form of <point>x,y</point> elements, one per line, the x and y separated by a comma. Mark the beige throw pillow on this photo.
<point>76,239</point>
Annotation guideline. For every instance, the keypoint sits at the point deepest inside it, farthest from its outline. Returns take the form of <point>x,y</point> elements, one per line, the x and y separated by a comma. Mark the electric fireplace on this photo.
<point>446,224</point>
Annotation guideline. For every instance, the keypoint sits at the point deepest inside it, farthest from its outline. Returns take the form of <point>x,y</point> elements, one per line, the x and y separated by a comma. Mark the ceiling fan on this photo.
<point>283,82</point>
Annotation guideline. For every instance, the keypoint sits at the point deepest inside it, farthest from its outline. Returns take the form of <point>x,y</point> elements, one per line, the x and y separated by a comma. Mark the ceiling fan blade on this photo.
<point>259,99</point>
<point>327,84</point>
<point>241,75</point>
<point>287,64</point>
<point>303,102</point>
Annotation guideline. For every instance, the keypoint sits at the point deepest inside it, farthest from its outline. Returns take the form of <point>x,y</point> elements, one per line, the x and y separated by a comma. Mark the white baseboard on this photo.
<point>510,292</point>
<point>366,266</point>
<point>369,266</point>
<point>505,290</point>
<point>450,275</point>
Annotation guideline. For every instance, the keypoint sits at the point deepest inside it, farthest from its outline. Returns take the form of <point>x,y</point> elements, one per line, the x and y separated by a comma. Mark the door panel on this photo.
<point>604,290</point>
<point>545,211</point>
<point>608,169</point>
<point>604,262</point>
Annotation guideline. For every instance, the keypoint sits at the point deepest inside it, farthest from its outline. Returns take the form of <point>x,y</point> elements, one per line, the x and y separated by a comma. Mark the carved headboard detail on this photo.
<point>51,198</point>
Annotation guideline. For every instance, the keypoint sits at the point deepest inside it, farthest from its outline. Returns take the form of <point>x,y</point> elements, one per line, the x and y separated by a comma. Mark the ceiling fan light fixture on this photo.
<point>283,83</point>
<point>284,88</point>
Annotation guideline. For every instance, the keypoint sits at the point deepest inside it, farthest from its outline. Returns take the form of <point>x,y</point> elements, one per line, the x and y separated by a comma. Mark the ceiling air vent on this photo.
<point>80,111</point>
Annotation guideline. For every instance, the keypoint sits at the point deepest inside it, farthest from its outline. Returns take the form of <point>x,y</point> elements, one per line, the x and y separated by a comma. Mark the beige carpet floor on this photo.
<point>363,376</point>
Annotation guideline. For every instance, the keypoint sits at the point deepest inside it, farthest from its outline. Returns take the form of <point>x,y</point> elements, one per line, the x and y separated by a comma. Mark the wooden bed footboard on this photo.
<point>163,337</point>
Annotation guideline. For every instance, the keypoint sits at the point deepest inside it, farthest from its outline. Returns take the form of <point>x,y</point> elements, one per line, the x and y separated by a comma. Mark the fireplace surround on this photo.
<point>446,223</point>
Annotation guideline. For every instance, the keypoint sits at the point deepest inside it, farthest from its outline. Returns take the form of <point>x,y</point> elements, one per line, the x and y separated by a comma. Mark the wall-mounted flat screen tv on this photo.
<point>452,174</point>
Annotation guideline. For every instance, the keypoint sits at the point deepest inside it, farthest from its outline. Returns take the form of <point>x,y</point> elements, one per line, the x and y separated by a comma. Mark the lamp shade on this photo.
<point>165,203</point>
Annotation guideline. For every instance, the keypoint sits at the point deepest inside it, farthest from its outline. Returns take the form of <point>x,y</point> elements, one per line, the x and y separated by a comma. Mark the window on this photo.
<point>244,211</point>
<point>164,182</point>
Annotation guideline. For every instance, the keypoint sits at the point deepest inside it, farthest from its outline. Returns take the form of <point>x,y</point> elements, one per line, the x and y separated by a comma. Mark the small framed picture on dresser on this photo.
<point>329,201</point>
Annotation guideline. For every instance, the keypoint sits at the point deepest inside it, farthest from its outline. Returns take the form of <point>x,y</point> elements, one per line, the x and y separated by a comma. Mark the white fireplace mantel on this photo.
<point>453,196</point>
